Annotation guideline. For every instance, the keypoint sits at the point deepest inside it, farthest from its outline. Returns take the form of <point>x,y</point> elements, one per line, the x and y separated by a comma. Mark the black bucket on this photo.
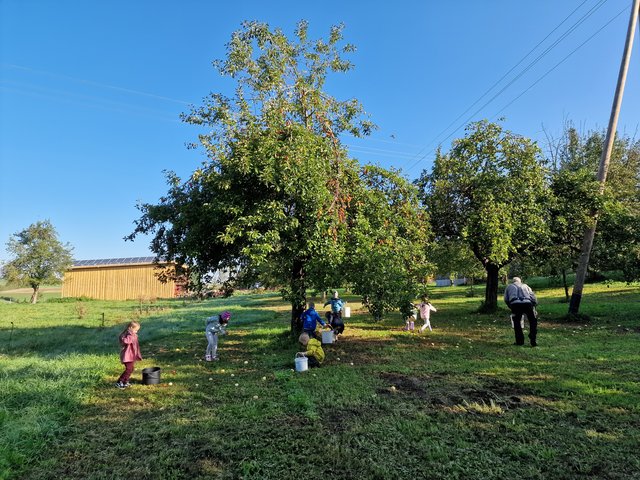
<point>151,376</point>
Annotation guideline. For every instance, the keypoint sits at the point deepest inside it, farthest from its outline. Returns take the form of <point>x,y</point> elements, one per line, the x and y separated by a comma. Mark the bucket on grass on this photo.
<point>302,364</point>
<point>151,376</point>
<point>328,337</point>
<point>346,312</point>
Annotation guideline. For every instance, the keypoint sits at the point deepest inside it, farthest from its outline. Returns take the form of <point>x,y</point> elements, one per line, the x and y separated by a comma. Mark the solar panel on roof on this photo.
<point>113,261</point>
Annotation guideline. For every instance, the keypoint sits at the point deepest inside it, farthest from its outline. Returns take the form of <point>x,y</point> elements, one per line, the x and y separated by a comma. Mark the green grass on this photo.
<point>22,294</point>
<point>458,403</point>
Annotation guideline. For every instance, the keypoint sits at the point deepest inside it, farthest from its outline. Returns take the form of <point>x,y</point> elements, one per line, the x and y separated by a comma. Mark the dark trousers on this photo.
<point>519,309</point>
<point>313,362</point>
<point>128,370</point>
<point>335,320</point>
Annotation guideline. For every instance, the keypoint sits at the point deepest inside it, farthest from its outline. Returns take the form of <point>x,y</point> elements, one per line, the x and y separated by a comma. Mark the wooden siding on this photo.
<point>123,282</point>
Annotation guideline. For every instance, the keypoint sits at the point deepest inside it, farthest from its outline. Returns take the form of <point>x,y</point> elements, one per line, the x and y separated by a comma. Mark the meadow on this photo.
<point>460,402</point>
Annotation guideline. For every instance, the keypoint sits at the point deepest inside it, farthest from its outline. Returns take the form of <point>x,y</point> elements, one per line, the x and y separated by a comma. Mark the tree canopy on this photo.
<point>489,191</point>
<point>576,196</point>
<point>277,194</point>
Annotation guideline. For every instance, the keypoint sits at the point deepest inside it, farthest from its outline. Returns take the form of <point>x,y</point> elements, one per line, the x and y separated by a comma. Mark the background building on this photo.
<point>119,279</point>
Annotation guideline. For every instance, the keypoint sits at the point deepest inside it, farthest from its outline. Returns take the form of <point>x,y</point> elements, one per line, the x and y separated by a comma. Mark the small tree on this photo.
<point>455,257</point>
<point>40,258</point>
<point>387,240</point>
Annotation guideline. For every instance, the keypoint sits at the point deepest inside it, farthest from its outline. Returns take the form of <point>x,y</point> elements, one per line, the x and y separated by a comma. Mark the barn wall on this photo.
<point>128,282</point>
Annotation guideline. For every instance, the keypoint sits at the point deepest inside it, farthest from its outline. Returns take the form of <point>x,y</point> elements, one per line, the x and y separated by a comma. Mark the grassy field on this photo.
<point>460,402</point>
<point>12,294</point>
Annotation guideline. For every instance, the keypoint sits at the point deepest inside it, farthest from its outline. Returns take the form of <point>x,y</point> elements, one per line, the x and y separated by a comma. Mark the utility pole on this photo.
<point>587,242</point>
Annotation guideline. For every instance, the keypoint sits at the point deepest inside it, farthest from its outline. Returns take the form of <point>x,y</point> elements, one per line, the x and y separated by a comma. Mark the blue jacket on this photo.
<point>336,304</point>
<point>310,319</point>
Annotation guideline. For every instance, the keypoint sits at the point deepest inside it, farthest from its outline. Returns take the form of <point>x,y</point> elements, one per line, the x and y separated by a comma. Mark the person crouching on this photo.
<point>314,352</point>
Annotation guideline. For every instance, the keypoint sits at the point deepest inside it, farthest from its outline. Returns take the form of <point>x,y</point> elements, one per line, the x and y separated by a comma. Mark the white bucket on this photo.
<point>328,337</point>
<point>346,312</point>
<point>302,364</point>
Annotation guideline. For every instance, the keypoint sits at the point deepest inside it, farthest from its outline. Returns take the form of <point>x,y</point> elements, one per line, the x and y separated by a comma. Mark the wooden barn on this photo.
<point>118,279</point>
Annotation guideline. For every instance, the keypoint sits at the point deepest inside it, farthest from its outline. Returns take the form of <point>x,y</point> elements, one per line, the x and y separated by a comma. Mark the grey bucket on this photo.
<point>151,376</point>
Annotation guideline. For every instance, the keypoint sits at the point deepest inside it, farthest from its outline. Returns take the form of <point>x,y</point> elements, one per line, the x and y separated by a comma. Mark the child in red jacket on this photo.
<point>129,354</point>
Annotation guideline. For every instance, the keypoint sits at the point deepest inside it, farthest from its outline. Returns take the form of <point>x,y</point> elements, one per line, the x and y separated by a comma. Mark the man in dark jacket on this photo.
<point>521,300</point>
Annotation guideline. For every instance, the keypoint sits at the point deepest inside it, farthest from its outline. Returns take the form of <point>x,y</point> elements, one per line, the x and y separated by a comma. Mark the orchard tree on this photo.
<point>387,240</point>
<point>576,195</point>
<point>489,191</point>
<point>616,244</point>
<point>39,257</point>
<point>274,193</point>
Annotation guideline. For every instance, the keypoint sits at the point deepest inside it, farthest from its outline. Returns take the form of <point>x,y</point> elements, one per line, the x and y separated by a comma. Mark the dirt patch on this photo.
<point>446,391</point>
<point>338,420</point>
<point>355,350</point>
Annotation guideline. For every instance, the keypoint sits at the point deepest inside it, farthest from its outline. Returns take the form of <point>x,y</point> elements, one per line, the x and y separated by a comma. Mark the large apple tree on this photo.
<point>274,192</point>
<point>489,191</point>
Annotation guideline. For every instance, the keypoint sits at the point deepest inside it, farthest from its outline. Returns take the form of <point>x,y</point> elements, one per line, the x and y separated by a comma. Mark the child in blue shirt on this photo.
<point>334,317</point>
<point>310,320</point>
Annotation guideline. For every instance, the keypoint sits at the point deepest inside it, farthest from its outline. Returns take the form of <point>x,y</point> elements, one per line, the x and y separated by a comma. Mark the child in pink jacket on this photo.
<point>425,309</point>
<point>129,354</point>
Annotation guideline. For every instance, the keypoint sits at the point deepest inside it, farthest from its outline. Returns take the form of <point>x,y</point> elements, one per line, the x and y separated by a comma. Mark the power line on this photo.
<point>95,84</point>
<point>502,78</point>
<point>561,61</point>
<point>570,30</point>
<point>80,100</point>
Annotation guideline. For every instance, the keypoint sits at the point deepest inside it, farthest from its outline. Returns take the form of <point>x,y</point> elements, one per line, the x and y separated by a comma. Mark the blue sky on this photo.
<point>90,92</point>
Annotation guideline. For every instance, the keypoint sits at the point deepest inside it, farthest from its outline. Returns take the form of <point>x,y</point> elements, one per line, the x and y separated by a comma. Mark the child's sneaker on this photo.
<point>207,358</point>
<point>127,385</point>
<point>214,359</point>
<point>120,385</point>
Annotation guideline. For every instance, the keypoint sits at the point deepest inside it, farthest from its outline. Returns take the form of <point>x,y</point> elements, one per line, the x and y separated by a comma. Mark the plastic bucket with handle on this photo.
<point>347,312</point>
<point>302,364</point>
<point>328,337</point>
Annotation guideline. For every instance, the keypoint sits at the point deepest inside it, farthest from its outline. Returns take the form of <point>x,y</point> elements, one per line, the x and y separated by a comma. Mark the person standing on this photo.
<point>334,317</point>
<point>522,301</point>
<point>129,353</point>
<point>425,308</point>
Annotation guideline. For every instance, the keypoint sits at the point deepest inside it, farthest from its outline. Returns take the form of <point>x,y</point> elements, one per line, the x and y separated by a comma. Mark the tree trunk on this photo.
<point>564,284</point>
<point>34,295</point>
<point>298,295</point>
<point>491,291</point>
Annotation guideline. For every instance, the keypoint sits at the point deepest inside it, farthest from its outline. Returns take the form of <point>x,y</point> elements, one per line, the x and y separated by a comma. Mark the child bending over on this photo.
<point>215,326</point>
<point>314,352</point>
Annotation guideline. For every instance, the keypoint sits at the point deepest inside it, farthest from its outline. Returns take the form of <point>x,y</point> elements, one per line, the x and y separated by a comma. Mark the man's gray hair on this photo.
<point>517,280</point>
